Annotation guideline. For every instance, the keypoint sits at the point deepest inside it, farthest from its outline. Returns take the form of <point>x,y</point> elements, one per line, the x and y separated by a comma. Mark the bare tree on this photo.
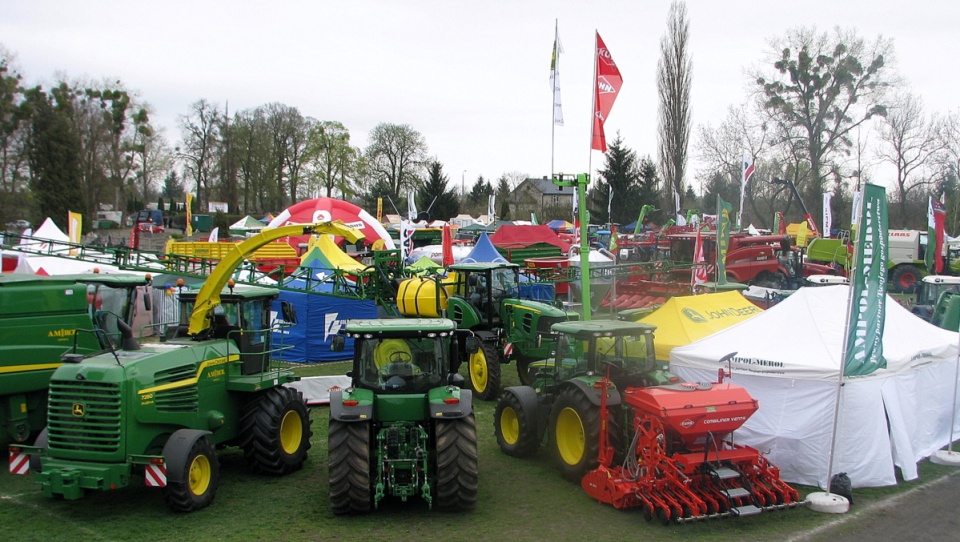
<point>824,87</point>
<point>200,134</point>
<point>674,78</point>
<point>909,142</point>
<point>395,157</point>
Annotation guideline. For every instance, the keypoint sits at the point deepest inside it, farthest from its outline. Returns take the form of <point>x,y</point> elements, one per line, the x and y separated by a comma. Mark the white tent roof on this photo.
<point>49,230</point>
<point>811,324</point>
<point>789,361</point>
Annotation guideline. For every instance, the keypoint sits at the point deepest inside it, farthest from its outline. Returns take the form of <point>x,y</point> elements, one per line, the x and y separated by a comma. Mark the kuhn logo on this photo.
<point>687,424</point>
<point>693,315</point>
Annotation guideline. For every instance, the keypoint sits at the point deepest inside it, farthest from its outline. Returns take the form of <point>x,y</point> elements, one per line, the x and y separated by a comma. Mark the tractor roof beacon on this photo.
<point>404,428</point>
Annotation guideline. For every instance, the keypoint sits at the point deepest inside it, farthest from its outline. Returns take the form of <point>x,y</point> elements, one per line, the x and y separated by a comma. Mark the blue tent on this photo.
<point>484,251</point>
<point>319,316</point>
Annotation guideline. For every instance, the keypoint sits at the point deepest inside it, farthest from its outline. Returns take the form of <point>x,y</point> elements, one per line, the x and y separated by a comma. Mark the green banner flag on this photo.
<point>864,341</point>
<point>724,221</point>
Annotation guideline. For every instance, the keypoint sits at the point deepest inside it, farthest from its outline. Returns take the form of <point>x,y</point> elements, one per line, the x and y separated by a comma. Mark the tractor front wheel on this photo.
<point>457,463</point>
<point>275,429</point>
<point>516,429</point>
<point>348,446</point>
<point>192,475</point>
<point>483,368</point>
<point>575,433</point>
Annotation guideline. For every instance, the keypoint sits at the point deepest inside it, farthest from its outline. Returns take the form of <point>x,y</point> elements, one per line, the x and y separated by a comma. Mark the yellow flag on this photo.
<point>74,225</point>
<point>802,235</point>
<point>189,228</point>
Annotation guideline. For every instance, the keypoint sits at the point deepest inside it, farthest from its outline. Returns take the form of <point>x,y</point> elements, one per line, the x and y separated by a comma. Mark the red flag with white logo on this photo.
<point>605,93</point>
<point>700,274</point>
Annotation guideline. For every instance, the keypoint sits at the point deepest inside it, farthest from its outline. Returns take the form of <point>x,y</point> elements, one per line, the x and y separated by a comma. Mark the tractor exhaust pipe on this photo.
<point>126,333</point>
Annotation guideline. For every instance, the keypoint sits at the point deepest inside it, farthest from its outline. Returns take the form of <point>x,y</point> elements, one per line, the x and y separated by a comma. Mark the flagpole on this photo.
<point>553,95</point>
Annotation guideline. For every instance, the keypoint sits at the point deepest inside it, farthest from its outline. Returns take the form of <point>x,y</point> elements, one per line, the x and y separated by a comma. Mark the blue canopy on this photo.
<point>484,251</point>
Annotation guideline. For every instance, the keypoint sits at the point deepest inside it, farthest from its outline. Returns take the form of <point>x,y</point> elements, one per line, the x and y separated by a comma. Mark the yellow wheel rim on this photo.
<point>570,436</point>
<point>291,432</point>
<point>478,370</point>
<point>200,475</point>
<point>509,426</point>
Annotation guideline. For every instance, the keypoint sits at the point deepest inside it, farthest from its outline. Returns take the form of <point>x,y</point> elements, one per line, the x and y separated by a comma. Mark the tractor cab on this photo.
<point>624,351</point>
<point>243,316</point>
<point>484,286</point>
<point>933,294</point>
<point>409,356</point>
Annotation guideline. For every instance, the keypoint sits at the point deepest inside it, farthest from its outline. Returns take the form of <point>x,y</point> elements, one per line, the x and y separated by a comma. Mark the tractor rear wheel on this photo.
<point>457,463</point>
<point>483,370</point>
<point>192,476</point>
<point>348,446</point>
<point>516,429</point>
<point>575,433</point>
<point>275,431</point>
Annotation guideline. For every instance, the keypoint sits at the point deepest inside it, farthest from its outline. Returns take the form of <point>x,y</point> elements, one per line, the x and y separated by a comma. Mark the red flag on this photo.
<point>447,247</point>
<point>700,275</point>
<point>605,93</point>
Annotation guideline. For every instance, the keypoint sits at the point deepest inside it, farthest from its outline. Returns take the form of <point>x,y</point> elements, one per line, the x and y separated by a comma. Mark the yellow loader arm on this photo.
<point>209,296</point>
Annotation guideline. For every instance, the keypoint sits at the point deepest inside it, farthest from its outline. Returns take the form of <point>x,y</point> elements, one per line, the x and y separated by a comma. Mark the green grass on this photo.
<point>518,500</point>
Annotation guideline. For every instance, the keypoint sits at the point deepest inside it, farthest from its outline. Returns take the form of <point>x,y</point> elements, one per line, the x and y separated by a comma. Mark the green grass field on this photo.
<point>518,500</point>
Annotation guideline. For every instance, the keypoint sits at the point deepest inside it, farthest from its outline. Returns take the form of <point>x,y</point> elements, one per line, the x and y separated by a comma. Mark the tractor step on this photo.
<point>735,492</point>
<point>726,473</point>
<point>748,510</point>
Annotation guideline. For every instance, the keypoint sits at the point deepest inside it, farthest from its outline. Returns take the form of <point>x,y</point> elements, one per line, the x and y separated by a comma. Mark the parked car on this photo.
<point>149,227</point>
<point>18,224</point>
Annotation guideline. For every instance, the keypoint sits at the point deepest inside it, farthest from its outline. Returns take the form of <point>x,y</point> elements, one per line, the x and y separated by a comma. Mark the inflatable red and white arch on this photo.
<point>327,209</point>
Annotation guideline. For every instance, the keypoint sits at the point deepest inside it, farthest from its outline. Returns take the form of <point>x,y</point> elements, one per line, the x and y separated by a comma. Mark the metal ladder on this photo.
<point>726,473</point>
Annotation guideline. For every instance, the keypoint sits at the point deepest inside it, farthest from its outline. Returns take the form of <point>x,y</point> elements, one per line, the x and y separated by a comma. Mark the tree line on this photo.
<point>826,110</point>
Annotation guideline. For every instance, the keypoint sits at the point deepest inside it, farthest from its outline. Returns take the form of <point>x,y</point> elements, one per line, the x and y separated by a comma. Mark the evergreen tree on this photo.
<point>447,204</point>
<point>503,196</point>
<point>620,174</point>
<point>54,158</point>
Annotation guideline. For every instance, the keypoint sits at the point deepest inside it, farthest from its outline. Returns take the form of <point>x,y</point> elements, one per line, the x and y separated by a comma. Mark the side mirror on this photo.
<point>337,343</point>
<point>472,344</point>
<point>147,301</point>
<point>289,313</point>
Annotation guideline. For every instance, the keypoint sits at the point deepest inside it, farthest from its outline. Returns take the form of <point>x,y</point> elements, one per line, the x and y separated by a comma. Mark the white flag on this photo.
<point>411,207</point>
<point>827,214</point>
<point>555,79</point>
<point>406,239</point>
<point>491,206</point>
<point>214,235</point>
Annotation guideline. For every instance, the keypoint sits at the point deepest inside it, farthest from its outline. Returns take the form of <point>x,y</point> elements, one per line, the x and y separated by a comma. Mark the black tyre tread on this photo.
<point>457,464</point>
<point>492,358</point>
<point>590,418</point>
<point>260,431</point>
<point>349,467</point>
<point>897,276</point>
<point>178,495</point>
<point>527,444</point>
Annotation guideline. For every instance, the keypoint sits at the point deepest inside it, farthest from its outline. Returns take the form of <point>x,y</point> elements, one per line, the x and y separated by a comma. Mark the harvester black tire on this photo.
<point>40,442</point>
<point>483,372</point>
<point>348,446</point>
<point>905,278</point>
<point>193,475</point>
<point>574,433</point>
<point>515,427</point>
<point>457,464</point>
<point>523,372</point>
<point>275,431</point>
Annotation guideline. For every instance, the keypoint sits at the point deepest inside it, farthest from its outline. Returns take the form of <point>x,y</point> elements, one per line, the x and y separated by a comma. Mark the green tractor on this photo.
<point>485,298</point>
<point>404,428</point>
<point>562,406</point>
<point>39,316</point>
<point>158,412</point>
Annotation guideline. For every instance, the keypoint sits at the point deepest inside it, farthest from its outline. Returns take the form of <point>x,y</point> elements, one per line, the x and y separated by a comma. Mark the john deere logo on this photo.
<point>78,410</point>
<point>693,315</point>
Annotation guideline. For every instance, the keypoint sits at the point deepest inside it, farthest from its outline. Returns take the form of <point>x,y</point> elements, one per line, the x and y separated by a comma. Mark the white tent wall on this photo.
<point>789,360</point>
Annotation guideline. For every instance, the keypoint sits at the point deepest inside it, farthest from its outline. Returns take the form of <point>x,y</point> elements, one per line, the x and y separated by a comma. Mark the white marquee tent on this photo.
<point>789,358</point>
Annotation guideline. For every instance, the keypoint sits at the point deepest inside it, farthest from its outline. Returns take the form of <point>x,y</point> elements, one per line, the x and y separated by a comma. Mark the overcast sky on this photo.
<point>471,76</point>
